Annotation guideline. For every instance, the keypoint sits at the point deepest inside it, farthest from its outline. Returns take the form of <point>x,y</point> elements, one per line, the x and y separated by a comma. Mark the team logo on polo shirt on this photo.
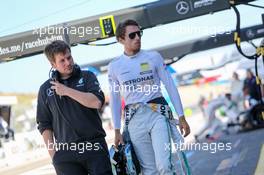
<point>80,83</point>
<point>50,92</point>
<point>145,68</point>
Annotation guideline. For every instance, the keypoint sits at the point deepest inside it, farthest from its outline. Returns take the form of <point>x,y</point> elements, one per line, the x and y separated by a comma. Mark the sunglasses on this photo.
<point>133,34</point>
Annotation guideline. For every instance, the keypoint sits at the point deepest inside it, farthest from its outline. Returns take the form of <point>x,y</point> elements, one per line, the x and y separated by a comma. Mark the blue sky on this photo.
<point>26,75</point>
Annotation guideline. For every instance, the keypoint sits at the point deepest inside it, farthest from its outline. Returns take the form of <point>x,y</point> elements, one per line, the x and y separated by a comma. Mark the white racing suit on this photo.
<point>138,79</point>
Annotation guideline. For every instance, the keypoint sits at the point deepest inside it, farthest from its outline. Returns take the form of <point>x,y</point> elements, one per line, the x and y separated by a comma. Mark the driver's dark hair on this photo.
<point>121,28</point>
<point>55,47</point>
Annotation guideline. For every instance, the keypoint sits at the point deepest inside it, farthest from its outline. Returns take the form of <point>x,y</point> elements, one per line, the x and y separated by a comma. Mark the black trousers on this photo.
<point>79,162</point>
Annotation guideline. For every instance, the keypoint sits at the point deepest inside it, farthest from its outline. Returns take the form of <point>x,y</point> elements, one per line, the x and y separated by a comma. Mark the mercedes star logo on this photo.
<point>182,7</point>
<point>50,92</point>
<point>250,34</point>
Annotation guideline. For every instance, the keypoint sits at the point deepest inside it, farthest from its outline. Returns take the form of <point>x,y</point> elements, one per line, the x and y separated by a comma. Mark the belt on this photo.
<point>164,110</point>
<point>131,109</point>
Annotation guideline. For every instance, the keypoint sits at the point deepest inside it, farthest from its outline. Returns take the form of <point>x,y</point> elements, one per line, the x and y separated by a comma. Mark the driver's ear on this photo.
<point>121,40</point>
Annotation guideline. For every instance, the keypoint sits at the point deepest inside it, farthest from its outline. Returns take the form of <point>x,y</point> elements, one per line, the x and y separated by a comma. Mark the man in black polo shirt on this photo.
<point>68,119</point>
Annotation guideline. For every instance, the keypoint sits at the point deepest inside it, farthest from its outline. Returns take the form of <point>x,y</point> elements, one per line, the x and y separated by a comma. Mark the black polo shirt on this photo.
<point>68,119</point>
